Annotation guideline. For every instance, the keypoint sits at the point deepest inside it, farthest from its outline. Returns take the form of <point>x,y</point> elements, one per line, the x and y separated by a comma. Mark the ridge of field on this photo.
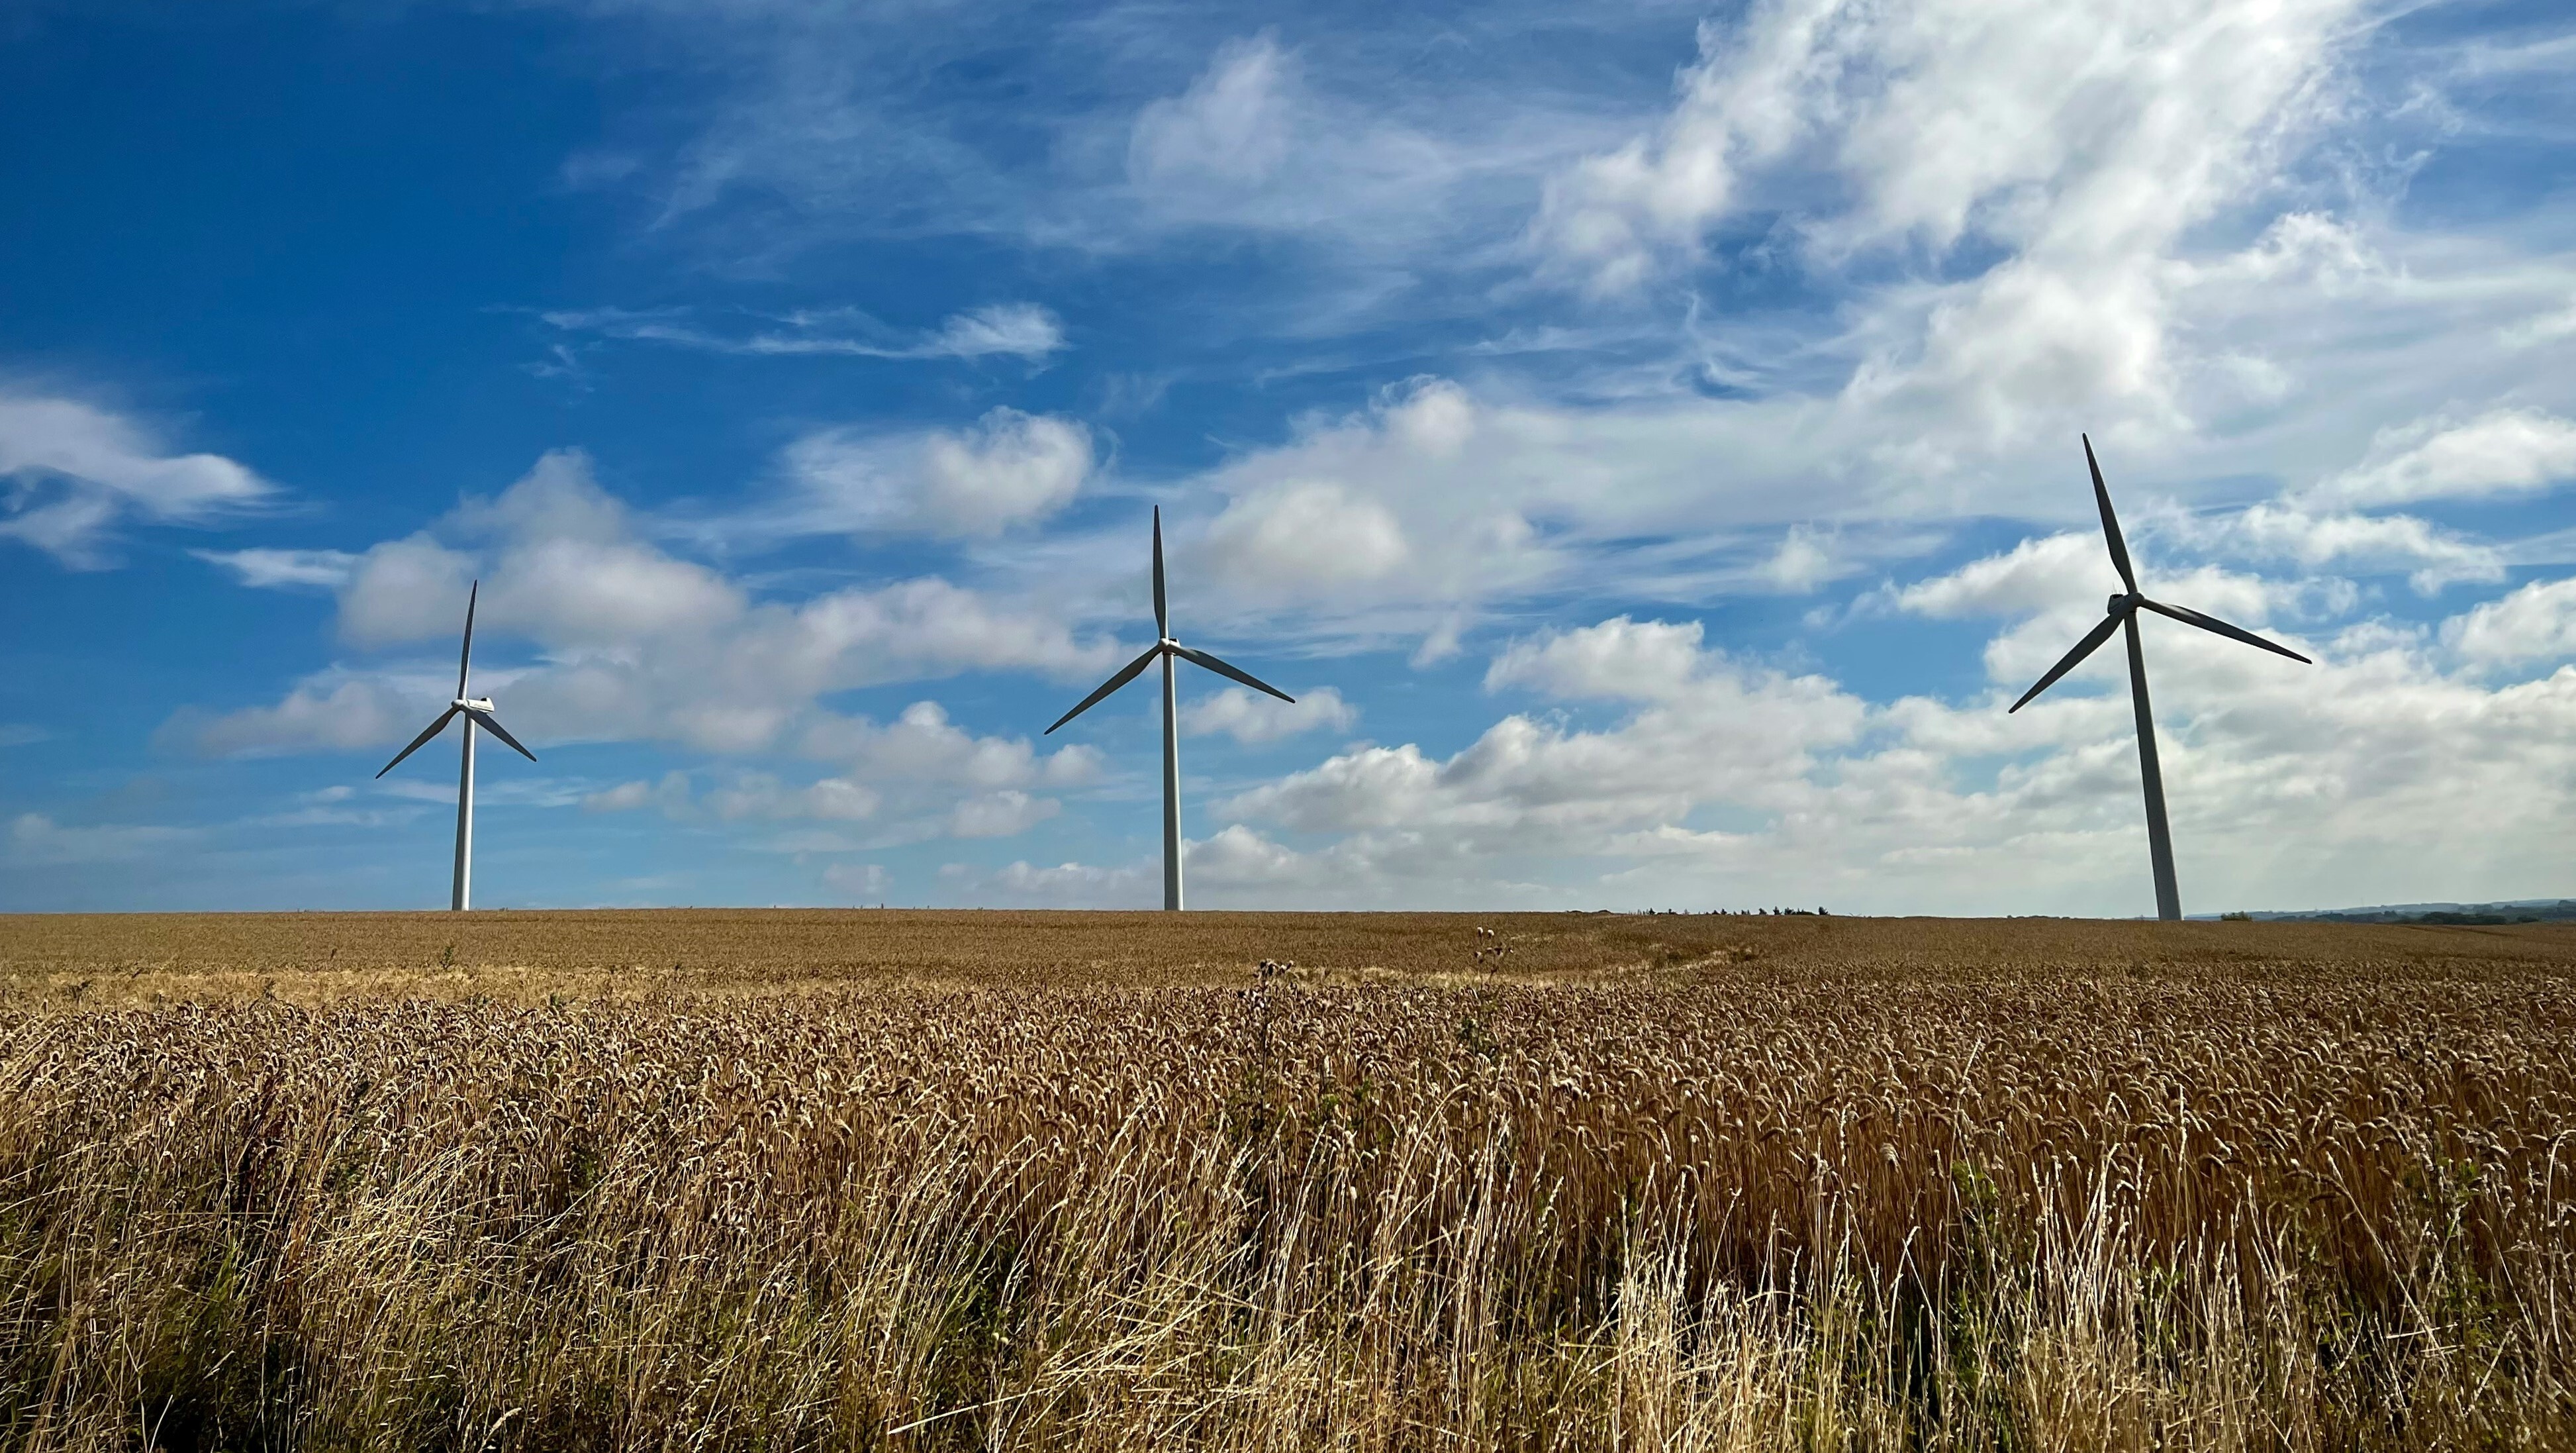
<point>314,957</point>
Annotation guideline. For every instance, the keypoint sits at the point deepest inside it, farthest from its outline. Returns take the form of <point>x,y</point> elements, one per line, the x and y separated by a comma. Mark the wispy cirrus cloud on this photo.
<point>73,472</point>
<point>1024,331</point>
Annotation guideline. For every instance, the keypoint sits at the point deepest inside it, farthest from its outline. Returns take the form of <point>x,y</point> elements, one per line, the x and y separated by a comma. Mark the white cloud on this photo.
<point>332,711</point>
<point>2434,557</point>
<point>37,840</point>
<point>922,746</point>
<point>1304,538</point>
<point>1802,563</point>
<point>1751,787</point>
<point>1620,660</point>
<point>860,881</point>
<point>758,794</point>
<point>632,642</point>
<point>2503,451</point>
<point>1252,718</point>
<point>71,472</point>
<point>1724,729</point>
<point>1010,469</point>
<point>1230,128</point>
<point>264,569</point>
<point>920,776</point>
<point>22,734</point>
<point>624,797</point>
<point>1015,330</point>
<point>405,590</point>
<point>1947,117</point>
<point>2077,146</point>
<point>1073,885</point>
<point>670,795</point>
<point>1007,813</point>
<point>2033,575</point>
<point>1019,330</point>
<point>2535,623</point>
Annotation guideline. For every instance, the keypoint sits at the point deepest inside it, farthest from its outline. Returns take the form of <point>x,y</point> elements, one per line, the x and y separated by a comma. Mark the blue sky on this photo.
<point>1645,439</point>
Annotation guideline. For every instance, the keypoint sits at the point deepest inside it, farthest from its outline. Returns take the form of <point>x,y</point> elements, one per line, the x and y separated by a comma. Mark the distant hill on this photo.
<point>2521,910</point>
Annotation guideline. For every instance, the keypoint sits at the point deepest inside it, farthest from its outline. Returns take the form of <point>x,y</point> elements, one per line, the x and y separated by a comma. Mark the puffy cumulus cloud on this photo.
<point>1068,885</point>
<point>2033,575</point>
<point>1304,538</point>
<point>2059,585</point>
<point>1010,469</point>
<point>2535,623</point>
<point>2432,557</point>
<point>634,643</point>
<point>1414,501</point>
<point>1803,562</point>
<point>403,590</point>
<point>2331,784</point>
<point>1724,730</point>
<point>1252,718</point>
<point>333,711</point>
<point>560,563</point>
<point>2503,451</point>
<point>1619,659</point>
<point>923,746</point>
<point>73,472</point>
<point>917,777</point>
<point>1007,813</point>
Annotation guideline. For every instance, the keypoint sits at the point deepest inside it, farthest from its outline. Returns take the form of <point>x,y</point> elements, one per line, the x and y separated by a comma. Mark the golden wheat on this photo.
<point>1666,1182</point>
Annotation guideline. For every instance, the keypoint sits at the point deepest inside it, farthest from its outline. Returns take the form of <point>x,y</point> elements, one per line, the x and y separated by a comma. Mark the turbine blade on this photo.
<point>1162,614</point>
<point>2190,617</point>
<point>2091,643</point>
<point>1125,674</point>
<point>465,657</point>
<point>2110,521</point>
<point>1222,669</point>
<point>484,720</point>
<point>423,739</point>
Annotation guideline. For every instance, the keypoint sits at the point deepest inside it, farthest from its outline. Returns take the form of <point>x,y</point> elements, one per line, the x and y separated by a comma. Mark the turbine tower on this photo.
<point>2122,614</point>
<point>1166,650</point>
<point>477,712</point>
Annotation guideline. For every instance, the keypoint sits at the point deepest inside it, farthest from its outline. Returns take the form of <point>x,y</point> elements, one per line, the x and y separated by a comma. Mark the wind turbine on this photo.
<point>477,711</point>
<point>1166,649</point>
<point>2123,615</point>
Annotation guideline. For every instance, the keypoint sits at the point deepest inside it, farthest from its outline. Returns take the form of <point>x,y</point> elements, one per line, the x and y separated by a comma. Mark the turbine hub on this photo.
<point>476,703</point>
<point>2121,603</point>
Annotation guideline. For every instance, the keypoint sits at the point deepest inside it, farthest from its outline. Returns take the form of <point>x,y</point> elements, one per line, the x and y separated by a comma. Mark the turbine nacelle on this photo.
<point>472,703</point>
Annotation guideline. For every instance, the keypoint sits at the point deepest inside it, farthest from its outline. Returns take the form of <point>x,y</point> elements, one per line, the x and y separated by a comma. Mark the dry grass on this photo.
<point>987,1180</point>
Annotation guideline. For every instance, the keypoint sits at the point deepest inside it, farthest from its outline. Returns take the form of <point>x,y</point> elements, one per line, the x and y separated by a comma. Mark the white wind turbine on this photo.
<point>1165,649</point>
<point>477,712</point>
<point>2123,612</point>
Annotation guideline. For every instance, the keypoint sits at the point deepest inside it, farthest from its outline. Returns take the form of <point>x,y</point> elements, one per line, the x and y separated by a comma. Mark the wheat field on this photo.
<point>991,1180</point>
